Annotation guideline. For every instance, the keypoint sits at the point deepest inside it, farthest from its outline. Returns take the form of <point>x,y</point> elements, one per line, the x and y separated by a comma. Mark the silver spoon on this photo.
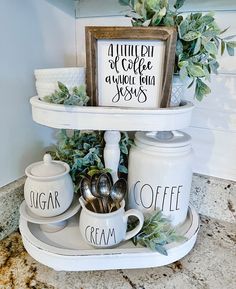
<point>104,186</point>
<point>94,191</point>
<point>94,180</point>
<point>86,193</point>
<point>118,192</point>
<point>110,177</point>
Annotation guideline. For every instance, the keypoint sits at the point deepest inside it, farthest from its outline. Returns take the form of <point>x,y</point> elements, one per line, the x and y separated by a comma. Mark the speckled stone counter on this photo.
<point>11,197</point>
<point>214,197</point>
<point>210,265</point>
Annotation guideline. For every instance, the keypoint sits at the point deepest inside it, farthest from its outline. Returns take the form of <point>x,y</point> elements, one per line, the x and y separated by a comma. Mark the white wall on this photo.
<point>213,126</point>
<point>33,34</point>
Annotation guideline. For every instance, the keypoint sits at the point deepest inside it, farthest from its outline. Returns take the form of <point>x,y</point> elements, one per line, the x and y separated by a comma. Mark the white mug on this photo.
<point>108,229</point>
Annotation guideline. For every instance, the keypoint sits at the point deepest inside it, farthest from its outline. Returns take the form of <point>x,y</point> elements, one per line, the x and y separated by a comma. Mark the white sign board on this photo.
<point>130,72</point>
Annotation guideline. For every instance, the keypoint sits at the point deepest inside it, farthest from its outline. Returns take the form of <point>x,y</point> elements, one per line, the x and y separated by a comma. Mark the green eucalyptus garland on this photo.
<point>83,152</point>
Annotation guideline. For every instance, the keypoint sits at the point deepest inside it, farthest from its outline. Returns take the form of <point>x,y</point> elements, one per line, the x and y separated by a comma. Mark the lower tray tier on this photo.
<point>66,251</point>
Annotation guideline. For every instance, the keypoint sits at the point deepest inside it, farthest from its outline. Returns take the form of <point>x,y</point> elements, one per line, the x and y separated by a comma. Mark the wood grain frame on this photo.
<point>95,33</point>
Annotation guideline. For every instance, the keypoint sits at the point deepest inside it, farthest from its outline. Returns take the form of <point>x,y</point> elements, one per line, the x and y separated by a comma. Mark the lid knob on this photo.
<point>163,139</point>
<point>47,168</point>
<point>164,135</point>
<point>47,159</point>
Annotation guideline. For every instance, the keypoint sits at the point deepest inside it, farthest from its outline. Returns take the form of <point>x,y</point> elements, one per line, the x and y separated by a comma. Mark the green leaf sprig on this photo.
<point>125,144</point>
<point>199,39</point>
<point>77,95</point>
<point>83,151</point>
<point>156,233</point>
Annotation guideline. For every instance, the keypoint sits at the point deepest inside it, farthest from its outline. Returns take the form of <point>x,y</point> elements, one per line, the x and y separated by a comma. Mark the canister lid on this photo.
<point>47,168</point>
<point>163,139</point>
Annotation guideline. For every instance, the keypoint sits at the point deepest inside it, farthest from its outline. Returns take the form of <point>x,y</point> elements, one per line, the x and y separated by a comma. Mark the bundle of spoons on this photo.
<point>101,195</point>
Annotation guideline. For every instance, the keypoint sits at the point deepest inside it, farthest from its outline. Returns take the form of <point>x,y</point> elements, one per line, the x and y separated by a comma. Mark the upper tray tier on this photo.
<point>111,118</point>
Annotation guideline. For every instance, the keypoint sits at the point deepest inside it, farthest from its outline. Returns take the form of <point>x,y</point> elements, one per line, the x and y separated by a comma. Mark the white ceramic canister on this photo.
<point>48,189</point>
<point>160,174</point>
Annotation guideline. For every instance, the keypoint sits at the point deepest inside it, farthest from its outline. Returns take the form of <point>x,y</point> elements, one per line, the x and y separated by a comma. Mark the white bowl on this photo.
<point>73,76</point>
<point>44,88</point>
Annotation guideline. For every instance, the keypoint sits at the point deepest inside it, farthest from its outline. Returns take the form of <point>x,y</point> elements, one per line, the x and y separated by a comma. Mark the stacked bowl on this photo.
<point>47,79</point>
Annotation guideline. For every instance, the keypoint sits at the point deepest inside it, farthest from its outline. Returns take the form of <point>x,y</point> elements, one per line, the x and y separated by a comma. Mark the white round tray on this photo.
<point>110,118</point>
<point>65,250</point>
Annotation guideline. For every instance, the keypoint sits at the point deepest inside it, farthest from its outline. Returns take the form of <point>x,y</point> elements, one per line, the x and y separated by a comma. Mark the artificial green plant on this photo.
<point>199,39</point>
<point>83,151</point>
<point>156,233</point>
<point>76,96</point>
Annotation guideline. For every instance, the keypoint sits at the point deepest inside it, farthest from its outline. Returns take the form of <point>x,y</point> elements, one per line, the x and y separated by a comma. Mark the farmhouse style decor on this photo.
<point>129,72</point>
<point>130,66</point>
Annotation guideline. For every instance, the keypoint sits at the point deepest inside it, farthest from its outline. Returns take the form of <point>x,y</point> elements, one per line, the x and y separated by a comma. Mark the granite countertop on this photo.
<point>210,265</point>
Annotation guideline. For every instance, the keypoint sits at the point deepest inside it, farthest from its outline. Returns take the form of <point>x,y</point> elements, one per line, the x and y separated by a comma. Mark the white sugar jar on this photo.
<point>160,174</point>
<point>48,189</point>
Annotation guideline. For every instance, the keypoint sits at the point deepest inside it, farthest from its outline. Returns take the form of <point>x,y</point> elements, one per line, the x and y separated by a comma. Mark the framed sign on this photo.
<point>130,66</point>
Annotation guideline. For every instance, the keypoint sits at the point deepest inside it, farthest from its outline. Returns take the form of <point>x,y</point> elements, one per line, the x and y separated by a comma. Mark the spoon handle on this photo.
<point>101,208</point>
<point>117,204</point>
<point>105,205</point>
<point>112,205</point>
<point>93,206</point>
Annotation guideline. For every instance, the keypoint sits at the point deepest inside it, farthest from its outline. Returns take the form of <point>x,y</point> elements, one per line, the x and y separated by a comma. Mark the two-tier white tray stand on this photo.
<point>65,250</point>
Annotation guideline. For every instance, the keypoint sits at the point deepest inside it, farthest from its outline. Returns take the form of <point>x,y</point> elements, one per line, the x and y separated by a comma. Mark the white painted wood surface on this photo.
<point>110,118</point>
<point>65,250</point>
<point>112,152</point>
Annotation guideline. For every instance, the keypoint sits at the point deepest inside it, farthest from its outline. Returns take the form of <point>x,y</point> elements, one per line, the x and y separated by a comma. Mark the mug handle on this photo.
<point>139,215</point>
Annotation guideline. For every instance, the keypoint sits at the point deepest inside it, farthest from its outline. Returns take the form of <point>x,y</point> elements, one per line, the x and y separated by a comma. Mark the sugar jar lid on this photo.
<point>163,139</point>
<point>47,168</point>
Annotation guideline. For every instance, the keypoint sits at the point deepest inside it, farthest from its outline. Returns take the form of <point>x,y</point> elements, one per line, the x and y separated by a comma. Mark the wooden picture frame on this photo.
<point>113,50</point>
